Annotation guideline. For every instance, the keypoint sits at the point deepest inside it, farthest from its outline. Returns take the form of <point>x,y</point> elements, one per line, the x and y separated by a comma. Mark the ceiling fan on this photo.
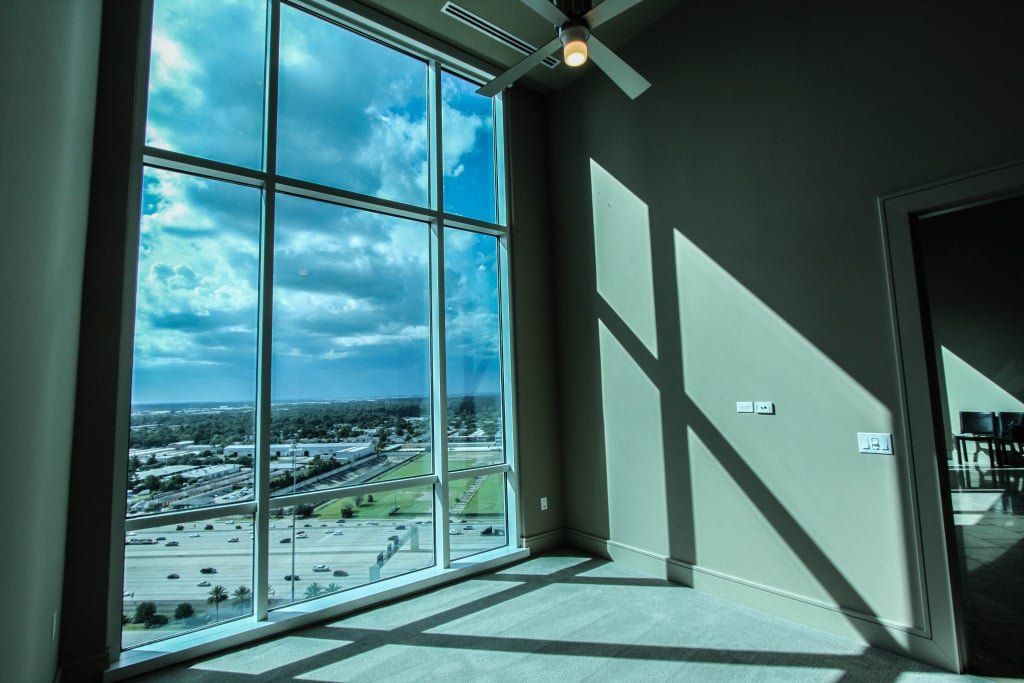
<point>576,38</point>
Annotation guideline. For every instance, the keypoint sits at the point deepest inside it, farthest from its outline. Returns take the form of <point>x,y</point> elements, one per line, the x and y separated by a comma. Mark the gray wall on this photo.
<point>970,262</point>
<point>718,241</point>
<point>533,312</point>
<point>48,87</point>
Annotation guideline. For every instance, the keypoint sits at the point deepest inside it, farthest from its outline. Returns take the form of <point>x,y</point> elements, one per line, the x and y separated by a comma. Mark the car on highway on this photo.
<point>233,540</point>
<point>193,535</point>
<point>399,527</point>
<point>172,544</point>
<point>338,533</point>
<point>300,534</point>
<point>161,538</point>
<point>291,577</point>
<point>321,568</point>
<point>468,527</point>
<point>340,572</point>
<point>208,527</point>
<point>208,570</point>
<point>173,576</point>
<point>286,540</point>
<point>454,532</point>
<point>203,584</point>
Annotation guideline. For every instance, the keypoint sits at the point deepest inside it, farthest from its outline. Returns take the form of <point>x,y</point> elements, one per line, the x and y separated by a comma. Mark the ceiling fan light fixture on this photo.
<point>574,45</point>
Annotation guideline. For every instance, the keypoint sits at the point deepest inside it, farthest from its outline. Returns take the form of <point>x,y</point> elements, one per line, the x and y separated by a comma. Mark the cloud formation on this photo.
<point>350,288</point>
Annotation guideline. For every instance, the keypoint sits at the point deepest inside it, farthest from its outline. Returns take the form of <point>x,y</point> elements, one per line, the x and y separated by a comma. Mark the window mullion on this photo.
<point>438,383</point>
<point>266,309</point>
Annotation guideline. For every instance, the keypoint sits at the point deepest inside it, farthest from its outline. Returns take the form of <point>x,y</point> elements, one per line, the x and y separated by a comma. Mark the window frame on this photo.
<point>438,58</point>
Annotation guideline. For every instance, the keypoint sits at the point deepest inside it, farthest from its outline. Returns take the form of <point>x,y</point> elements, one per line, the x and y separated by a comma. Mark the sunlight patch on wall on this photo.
<point>969,389</point>
<point>634,450</point>
<point>622,254</point>
<point>736,348</point>
<point>720,503</point>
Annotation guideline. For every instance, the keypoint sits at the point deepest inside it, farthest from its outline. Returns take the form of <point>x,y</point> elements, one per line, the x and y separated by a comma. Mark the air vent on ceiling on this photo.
<point>487,28</point>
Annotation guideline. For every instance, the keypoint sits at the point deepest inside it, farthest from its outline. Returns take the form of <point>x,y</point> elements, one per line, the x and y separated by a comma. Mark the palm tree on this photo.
<point>218,594</point>
<point>242,596</point>
<point>314,589</point>
<point>332,588</point>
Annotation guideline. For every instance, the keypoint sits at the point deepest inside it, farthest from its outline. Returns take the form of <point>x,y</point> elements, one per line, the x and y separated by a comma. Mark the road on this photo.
<point>312,542</point>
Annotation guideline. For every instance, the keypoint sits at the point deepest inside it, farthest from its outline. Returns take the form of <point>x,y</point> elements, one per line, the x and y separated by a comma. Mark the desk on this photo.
<point>979,439</point>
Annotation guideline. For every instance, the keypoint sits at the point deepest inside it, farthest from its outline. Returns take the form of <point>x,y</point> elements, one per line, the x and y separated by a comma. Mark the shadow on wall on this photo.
<point>754,498</point>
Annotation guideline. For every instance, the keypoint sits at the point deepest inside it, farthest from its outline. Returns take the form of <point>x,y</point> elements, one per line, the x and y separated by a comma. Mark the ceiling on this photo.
<point>521,21</point>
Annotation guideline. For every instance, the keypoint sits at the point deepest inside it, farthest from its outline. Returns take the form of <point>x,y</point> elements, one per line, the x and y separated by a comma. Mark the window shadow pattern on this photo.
<point>436,639</point>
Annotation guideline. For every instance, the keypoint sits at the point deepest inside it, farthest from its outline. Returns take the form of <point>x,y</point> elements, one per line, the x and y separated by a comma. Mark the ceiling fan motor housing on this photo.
<point>571,32</point>
<point>574,8</point>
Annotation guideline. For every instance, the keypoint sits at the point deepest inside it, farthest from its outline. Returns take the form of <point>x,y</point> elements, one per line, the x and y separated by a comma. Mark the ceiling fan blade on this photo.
<point>509,77</point>
<point>622,74</point>
<point>548,11</point>
<point>606,10</point>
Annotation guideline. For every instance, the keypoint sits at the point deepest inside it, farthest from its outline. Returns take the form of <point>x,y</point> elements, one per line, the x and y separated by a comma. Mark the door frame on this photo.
<point>898,214</point>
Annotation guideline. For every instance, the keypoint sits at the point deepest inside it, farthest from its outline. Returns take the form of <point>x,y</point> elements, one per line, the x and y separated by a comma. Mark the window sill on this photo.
<point>163,653</point>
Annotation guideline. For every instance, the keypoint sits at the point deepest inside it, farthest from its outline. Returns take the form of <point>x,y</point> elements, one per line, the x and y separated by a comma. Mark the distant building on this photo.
<point>345,452</point>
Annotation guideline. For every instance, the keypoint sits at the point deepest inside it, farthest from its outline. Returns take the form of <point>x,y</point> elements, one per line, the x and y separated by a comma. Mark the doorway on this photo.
<point>969,278</point>
<point>955,249</point>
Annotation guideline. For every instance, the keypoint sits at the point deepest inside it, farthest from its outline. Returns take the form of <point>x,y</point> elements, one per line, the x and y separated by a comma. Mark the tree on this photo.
<point>156,621</point>
<point>242,596</point>
<point>314,590</point>
<point>304,511</point>
<point>144,611</point>
<point>332,588</point>
<point>218,594</point>
<point>359,500</point>
<point>347,511</point>
<point>152,482</point>
<point>184,610</point>
<point>369,498</point>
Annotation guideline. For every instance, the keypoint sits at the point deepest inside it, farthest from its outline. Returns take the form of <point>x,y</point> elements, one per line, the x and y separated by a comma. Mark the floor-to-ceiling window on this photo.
<point>321,376</point>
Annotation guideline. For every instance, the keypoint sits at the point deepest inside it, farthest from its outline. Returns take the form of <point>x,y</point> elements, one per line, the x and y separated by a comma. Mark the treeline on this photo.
<point>324,422</point>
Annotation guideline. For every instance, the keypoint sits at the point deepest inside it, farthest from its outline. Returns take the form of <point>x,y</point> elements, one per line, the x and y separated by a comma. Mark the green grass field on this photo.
<point>488,500</point>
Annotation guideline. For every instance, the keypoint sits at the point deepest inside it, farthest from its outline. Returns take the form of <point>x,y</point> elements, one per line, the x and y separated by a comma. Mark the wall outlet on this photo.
<point>764,407</point>
<point>744,406</point>
<point>544,503</point>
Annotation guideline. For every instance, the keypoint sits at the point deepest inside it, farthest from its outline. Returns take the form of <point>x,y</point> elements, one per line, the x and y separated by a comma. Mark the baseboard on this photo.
<point>901,639</point>
<point>544,541</point>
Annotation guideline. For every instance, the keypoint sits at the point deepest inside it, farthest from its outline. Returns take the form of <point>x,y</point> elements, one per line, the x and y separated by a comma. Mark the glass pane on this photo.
<point>194,376</point>
<point>346,542</point>
<point>181,577</point>
<point>467,136</point>
<point>206,79</point>
<point>472,330</point>
<point>351,347</point>
<point>476,511</point>
<point>352,113</point>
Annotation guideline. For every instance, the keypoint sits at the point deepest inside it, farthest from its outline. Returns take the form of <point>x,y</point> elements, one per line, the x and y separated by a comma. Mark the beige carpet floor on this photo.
<point>559,617</point>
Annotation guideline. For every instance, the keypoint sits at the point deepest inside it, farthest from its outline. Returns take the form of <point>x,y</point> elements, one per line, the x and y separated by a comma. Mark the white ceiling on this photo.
<point>524,23</point>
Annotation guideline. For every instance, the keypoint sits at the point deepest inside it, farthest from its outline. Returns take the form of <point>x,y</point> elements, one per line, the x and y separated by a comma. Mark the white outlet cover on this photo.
<point>764,407</point>
<point>744,406</point>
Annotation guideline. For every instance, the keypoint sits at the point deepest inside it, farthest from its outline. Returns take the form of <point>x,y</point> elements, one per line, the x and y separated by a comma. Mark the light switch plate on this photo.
<point>744,406</point>
<point>874,442</point>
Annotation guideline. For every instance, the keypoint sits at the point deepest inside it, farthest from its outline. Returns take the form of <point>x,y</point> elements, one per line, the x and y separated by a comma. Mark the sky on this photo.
<point>350,288</point>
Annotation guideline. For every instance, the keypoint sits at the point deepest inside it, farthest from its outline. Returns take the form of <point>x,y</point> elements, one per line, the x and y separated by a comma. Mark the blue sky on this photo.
<point>351,316</point>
